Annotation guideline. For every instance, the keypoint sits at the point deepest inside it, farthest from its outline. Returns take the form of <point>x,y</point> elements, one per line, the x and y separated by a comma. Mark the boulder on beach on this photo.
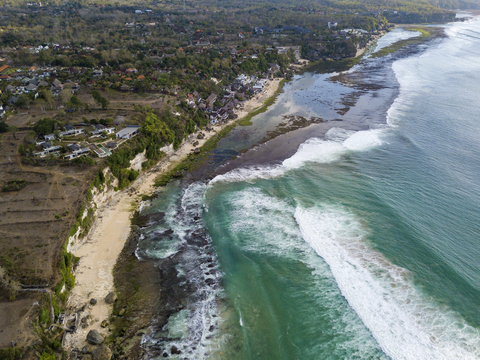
<point>110,298</point>
<point>94,337</point>
<point>87,349</point>
<point>102,353</point>
<point>93,301</point>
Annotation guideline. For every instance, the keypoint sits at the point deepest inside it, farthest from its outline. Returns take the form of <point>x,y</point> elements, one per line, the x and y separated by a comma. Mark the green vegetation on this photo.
<point>14,185</point>
<point>193,160</point>
<point>11,353</point>
<point>45,126</point>
<point>65,266</point>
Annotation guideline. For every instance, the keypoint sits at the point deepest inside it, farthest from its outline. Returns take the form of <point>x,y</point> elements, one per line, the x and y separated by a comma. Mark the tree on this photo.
<point>47,96</point>
<point>75,103</point>
<point>105,103</point>
<point>23,101</point>
<point>100,99</point>
<point>45,126</point>
<point>65,95</point>
<point>3,127</point>
<point>154,127</point>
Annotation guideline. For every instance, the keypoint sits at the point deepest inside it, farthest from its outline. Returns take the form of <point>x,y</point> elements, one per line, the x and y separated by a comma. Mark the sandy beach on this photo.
<point>99,251</point>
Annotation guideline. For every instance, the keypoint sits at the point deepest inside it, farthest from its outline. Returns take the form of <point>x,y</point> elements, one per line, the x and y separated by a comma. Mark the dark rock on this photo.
<point>110,298</point>
<point>175,350</point>
<point>93,301</point>
<point>87,349</point>
<point>94,337</point>
<point>165,355</point>
<point>102,353</point>
<point>178,174</point>
<point>200,136</point>
<point>148,220</point>
<point>197,151</point>
<point>211,328</point>
<point>104,323</point>
<point>209,281</point>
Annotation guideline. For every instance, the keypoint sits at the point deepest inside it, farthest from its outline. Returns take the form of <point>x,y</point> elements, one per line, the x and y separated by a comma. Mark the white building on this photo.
<point>128,132</point>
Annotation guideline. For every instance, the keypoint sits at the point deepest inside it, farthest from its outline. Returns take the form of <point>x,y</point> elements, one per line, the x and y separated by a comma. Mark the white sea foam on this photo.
<point>263,224</point>
<point>338,143</point>
<point>406,324</point>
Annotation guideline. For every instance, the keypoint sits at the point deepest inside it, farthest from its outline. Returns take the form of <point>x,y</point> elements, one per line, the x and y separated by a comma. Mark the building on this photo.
<point>101,151</point>
<point>128,132</point>
<point>211,99</point>
<point>71,131</point>
<point>47,148</point>
<point>49,137</point>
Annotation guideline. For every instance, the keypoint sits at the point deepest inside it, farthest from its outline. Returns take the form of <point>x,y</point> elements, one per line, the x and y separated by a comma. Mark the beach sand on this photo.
<point>98,253</point>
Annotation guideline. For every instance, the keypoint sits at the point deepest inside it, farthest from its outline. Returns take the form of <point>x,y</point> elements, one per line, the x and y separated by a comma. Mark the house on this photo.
<point>72,86</point>
<point>98,73</point>
<point>2,112</point>
<point>124,87</point>
<point>131,71</point>
<point>211,99</point>
<point>99,128</point>
<point>332,24</point>
<point>71,131</point>
<point>31,88</point>
<point>74,147</point>
<point>112,145</point>
<point>102,151</point>
<point>77,151</point>
<point>128,132</point>
<point>49,137</point>
<point>47,148</point>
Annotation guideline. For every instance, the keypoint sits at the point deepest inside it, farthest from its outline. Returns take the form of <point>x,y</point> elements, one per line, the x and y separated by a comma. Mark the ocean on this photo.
<point>354,238</point>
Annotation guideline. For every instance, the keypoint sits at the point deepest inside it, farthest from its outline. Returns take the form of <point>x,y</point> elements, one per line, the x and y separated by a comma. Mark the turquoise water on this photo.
<point>364,244</point>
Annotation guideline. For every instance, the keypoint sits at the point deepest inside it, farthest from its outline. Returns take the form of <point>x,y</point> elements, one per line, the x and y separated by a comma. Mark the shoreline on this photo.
<point>100,250</point>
